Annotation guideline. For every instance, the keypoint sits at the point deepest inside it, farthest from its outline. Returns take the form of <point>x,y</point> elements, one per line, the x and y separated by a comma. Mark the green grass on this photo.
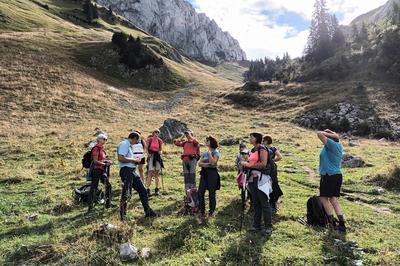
<point>39,173</point>
<point>49,113</point>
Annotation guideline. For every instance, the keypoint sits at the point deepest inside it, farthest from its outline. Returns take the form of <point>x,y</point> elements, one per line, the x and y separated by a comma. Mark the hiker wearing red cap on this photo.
<point>190,156</point>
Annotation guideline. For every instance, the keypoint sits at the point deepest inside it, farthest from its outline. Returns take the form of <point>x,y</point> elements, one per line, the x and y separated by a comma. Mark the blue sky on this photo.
<point>272,27</point>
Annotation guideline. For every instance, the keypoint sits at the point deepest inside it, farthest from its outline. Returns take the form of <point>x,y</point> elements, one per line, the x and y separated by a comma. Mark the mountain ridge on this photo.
<point>177,22</point>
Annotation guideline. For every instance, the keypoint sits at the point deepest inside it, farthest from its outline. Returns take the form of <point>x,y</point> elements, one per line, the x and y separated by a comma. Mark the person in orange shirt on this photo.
<point>190,156</point>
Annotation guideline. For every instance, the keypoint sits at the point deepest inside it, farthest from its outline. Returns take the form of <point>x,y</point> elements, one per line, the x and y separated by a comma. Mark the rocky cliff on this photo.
<point>177,22</point>
<point>388,10</point>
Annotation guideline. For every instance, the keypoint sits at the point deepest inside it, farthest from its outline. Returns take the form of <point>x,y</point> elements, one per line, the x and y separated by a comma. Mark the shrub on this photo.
<point>133,53</point>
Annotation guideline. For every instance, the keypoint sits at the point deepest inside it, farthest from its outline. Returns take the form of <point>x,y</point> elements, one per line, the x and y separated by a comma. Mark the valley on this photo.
<point>59,81</point>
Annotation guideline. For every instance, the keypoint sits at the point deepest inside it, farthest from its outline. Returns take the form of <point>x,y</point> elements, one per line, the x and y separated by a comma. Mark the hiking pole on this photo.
<point>162,179</point>
<point>243,195</point>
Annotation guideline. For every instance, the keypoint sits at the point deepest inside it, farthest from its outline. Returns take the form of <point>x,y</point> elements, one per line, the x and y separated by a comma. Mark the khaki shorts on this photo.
<point>151,166</point>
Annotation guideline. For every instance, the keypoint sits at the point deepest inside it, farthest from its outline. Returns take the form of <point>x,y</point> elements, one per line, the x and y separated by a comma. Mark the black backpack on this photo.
<point>270,167</point>
<point>82,194</point>
<point>316,214</point>
<point>87,159</point>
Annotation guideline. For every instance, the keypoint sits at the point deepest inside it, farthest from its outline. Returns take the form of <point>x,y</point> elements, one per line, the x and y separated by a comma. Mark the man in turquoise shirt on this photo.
<point>331,176</point>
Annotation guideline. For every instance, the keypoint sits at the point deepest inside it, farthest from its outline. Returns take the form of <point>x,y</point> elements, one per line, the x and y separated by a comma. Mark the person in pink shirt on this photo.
<point>154,163</point>
<point>190,156</point>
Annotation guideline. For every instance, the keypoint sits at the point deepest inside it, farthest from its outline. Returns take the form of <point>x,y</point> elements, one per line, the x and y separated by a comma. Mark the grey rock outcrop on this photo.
<point>172,129</point>
<point>177,22</point>
<point>350,118</point>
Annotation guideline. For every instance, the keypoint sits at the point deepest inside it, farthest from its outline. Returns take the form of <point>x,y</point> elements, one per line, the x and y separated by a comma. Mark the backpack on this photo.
<point>270,167</point>
<point>82,194</point>
<point>151,140</point>
<point>316,214</point>
<point>191,201</point>
<point>87,158</point>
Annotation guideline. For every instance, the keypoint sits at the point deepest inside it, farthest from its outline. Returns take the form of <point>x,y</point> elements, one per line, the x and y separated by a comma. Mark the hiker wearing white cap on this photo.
<point>100,173</point>
<point>155,162</point>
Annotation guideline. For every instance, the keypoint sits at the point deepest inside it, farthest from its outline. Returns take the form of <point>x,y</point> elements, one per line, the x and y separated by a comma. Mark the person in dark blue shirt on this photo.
<point>331,176</point>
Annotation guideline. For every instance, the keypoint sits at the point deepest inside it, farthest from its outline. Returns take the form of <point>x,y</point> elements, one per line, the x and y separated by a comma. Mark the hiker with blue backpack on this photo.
<point>260,184</point>
<point>128,164</point>
<point>209,177</point>
<point>98,171</point>
<point>331,177</point>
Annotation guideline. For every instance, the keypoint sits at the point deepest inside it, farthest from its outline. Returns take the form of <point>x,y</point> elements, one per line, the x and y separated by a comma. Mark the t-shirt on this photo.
<point>138,150</point>
<point>205,158</point>
<point>98,151</point>
<point>330,158</point>
<point>125,149</point>
<point>189,147</point>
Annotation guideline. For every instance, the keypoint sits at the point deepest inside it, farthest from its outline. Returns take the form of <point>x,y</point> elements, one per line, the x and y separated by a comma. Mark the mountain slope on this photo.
<point>56,68</point>
<point>177,22</point>
<point>379,14</point>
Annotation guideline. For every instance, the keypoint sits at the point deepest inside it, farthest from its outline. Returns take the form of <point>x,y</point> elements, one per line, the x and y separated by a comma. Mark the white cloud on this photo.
<point>260,35</point>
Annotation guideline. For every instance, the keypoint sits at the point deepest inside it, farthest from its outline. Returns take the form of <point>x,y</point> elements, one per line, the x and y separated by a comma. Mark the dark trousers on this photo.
<point>261,206</point>
<point>99,175</point>
<point>131,180</point>
<point>209,180</point>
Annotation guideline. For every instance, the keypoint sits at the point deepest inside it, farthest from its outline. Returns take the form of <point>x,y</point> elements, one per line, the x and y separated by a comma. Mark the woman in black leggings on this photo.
<point>209,176</point>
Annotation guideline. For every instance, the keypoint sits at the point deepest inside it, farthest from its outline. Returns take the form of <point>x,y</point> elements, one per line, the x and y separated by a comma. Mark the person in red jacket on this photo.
<point>100,164</point>
<point>190,156</point>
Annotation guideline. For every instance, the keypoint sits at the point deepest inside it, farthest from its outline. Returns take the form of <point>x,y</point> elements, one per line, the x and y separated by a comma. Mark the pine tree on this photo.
<point>355,33</point>
<point>338,38</point>
<point>363,35</point>
<point>319,45</point>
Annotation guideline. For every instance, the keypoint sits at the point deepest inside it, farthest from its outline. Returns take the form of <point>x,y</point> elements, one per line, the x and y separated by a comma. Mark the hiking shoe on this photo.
<point>151,214</point>
<point>266,231</point>
<point>157,191</point>
<point>148,192</point>
<point>341,228</point>
<point>211,215</point>
<point>254,228</point>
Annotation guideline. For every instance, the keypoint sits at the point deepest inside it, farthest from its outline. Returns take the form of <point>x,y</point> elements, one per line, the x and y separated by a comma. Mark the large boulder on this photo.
<point>128,252</point>
<point>349,161</point>
<point>350,118</point>
<point>172,129</point>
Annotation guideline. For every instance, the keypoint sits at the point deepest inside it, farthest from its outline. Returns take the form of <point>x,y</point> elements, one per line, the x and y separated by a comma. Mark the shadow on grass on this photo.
<point>47,228</point>
<point>246,251</point>
<point>175,240</point>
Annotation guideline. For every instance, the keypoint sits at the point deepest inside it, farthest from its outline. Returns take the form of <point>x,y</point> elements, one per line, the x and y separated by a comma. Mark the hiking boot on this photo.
<point>151,214</point>
<point>148,192</point>
<point>157,191</point>
<point>254,228</point>
<point>266,231</point>
<point>341,228</point>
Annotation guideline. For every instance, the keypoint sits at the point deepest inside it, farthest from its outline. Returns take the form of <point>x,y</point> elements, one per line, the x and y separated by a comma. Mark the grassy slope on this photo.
<point>40,164</point>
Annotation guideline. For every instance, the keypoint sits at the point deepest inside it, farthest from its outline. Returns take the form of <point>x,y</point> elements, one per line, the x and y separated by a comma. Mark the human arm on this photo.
<point>213,159</point>
<point>261,163</point>
<point>278,156</point>
<point>324,135</point>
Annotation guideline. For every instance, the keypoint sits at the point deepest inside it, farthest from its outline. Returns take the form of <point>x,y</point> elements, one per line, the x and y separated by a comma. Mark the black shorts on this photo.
<point>330,185</point>
<point>143,161</point>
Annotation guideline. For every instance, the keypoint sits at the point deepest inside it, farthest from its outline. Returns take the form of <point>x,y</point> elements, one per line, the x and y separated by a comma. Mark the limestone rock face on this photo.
<point>176,21</point>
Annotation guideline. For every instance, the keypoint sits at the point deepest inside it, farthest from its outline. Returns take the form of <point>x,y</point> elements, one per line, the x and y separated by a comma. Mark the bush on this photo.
<point>133,53</point>
<point>120,39</point>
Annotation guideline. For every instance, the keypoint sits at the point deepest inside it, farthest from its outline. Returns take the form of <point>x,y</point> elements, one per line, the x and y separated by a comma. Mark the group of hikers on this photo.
<point>256,168</point>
